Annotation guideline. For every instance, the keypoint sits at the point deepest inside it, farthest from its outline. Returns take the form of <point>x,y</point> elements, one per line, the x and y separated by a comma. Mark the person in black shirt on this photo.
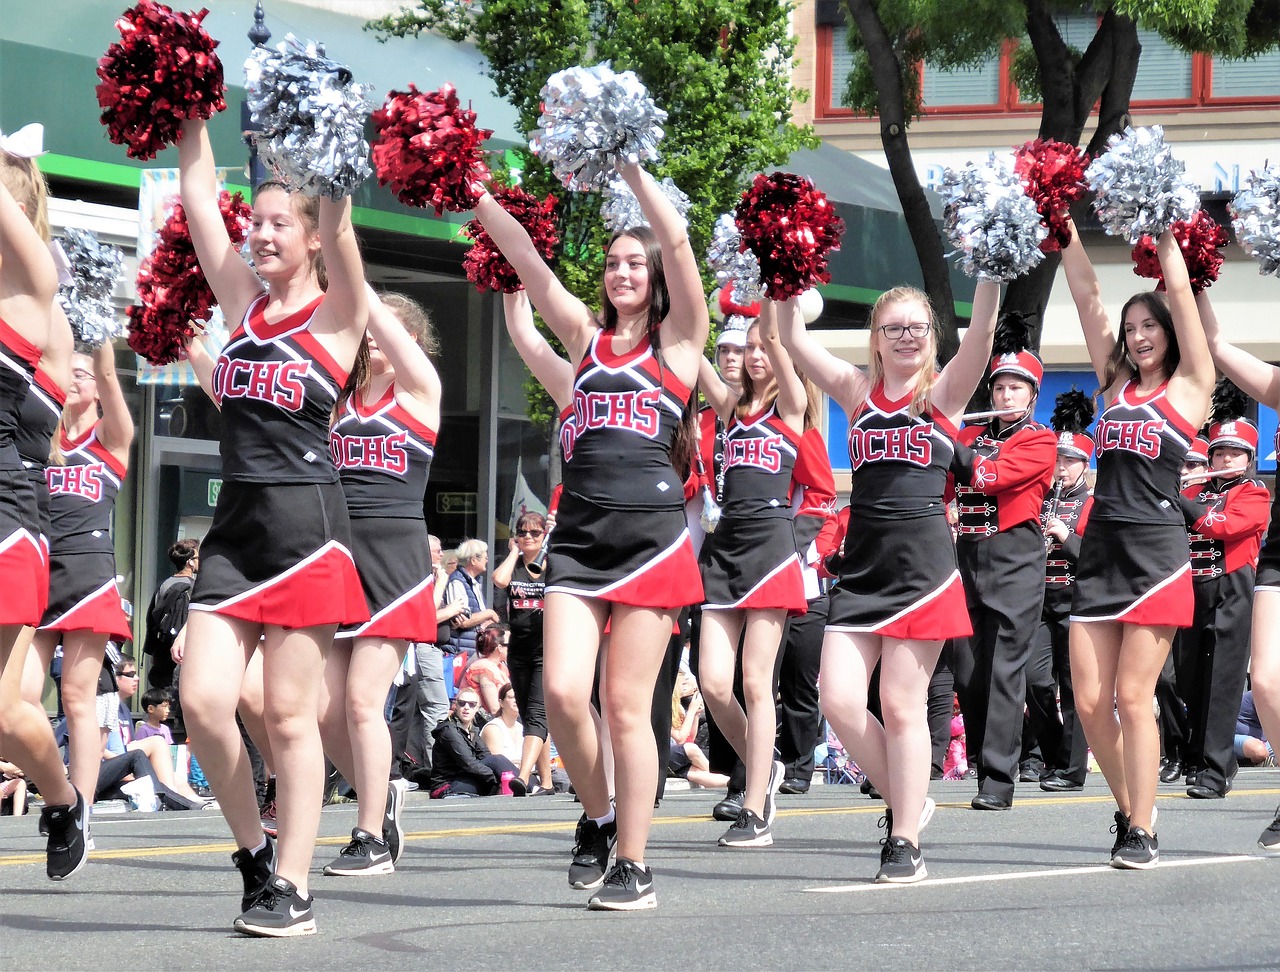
<point>167,613</point>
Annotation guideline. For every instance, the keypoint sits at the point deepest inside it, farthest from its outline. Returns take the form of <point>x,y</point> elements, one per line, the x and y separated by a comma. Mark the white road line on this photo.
<point>1022,875</point>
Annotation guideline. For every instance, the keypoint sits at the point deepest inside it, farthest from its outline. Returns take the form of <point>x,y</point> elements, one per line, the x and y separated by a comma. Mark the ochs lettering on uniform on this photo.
<point>759,453</point>
<point>1142,437</point>
<point>628,411</point>
<point>385,453</point>
<point>901,444</point>
<point>85,481</point>
<point>277,382</point>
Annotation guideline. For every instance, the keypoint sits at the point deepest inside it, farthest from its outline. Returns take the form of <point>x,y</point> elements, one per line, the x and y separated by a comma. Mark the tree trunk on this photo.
<point>925,237</point>
<point>1113,111</point>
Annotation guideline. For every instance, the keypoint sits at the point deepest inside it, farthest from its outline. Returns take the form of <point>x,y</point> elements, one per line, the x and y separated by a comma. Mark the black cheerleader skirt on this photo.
<point>1135,573</point>
<point>751,564</point>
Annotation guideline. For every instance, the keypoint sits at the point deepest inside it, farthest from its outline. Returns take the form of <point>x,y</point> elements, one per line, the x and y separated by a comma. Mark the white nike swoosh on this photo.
<point>294,913</point>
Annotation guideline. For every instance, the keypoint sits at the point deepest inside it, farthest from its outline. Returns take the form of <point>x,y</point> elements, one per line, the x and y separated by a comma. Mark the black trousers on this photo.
<point>410,756</point>
<point>1175,732</point>
<point>942,696</point>
<point>799,718</point>
<point>133,762</point>
<point>484,785</point>
<point>660,711</point>
<point>1060,733</point>
<point>1004,585</point>
<point>1215,661</point>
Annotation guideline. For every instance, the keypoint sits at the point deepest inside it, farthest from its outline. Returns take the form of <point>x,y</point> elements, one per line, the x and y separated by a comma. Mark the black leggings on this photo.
<point>524,663</point>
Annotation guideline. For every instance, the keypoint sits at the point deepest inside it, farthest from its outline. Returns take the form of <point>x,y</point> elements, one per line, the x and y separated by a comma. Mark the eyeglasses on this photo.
<point>917,330</point>
<point>128,675</point>
<point>79,374</point>
<point>532,534</point>
<point>466,704</point>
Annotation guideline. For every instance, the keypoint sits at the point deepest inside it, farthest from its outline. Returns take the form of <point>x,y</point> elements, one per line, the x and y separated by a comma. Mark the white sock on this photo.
<point>606,819</point>
<point>261,844</point>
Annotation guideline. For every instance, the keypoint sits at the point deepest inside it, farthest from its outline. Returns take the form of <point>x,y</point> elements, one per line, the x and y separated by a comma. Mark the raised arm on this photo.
<point>716,390</point>
<point>1191,383</point>
<point>792,399</point>
<point>345,311</point>
<point>844,382</point>
<point>1255,377</point>
<point>688,322</point>
<point>415,374</point>
<point>231,280</point>
<point>115,431</point>
<point>202,364</point>
<point>1082,281</point>
<point>568,317</point>
<point>28,278</point>
<point>960,377</point>
<point>553,372</point>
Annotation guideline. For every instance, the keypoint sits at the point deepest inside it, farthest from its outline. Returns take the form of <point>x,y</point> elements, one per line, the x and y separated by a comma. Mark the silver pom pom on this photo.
<point>312,116</point>
<point>621,209</point>
<point>730,263</point>
<point>1255,216</point>
<point>593,120</point>
<point>1140,188</point>
<point>991,220</point>
<point>710,518</point>
<point>96,268</point>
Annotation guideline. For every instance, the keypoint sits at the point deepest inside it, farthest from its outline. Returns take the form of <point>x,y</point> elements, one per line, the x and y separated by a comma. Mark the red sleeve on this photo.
<point>1244,512</point>
<point>1028,455</point>
<point>813,475</point>
<point>1084,515</point>
<point>555,498</point>
<point>839,526</point>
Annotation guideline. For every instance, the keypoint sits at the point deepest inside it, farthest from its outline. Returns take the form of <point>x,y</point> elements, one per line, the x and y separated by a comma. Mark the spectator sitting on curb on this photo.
<point>461,765</point>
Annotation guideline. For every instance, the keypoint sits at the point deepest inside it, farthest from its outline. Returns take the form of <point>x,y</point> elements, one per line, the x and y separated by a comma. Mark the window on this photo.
<point>1256,78</point>
<point>964,86</point>
<point>1165,73</point>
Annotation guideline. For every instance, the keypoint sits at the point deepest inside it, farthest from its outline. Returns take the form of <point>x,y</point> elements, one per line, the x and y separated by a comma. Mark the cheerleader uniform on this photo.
<point>1134,560</point>
<point>24,570</point>
<point>82,561</point>
<point>383,455</point>
<point>1001,481</point>
<point>38,420</point>
<point>898,577</point>
<point>620,531</point>
<point>750,562</point>
<point>1226,521</point>
<point>279,549</point>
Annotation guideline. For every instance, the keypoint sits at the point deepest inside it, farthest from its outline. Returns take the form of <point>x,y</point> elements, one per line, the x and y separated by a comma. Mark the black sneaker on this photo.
<point>777,772</point>
<point>592,853</point>
<point>628,887</point>
<point>365,854</point>
<point>729,808</point>
<point>1270,839</point>
<point>900,862</point>
<point>747,831</point>
<point>1139,852</point>
<point>1121,829</point>
<point>392,828</point>
<point>256,869</point>
<point>279,911</point>
<point>67,849</point>
<point>926,814</point>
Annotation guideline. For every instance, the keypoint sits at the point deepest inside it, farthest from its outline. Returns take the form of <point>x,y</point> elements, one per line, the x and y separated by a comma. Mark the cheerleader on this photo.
<point>621,548</point>
<point>1226,516</point>
<point>899,595</point>
<point>1260,381</point>
<point>88,463</point>
<point>276,564</point>
<point>1133,583</point>
<point>750,570</point>
<point>382,441</point>
<point>28,284</point>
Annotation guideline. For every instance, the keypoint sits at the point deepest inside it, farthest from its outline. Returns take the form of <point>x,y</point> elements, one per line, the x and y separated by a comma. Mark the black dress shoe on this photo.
<point>1198,792</point>
<point>794,785</point>
<point>729,808</point>
<point>1171,771</point>
<point>1058,784</point>
<point>985,801</point>
<point>1030,773</point>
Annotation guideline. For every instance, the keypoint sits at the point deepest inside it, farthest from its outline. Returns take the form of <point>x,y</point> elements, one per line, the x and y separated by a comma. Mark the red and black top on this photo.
<point>41,410</point>
<point>82,494</point>
<point>1225,523</point>
<point>277,388</point>
<point>1073,507</point>
<point>383,456</point>
<point>617,444</point>
<point>1002,478</point>
<point>18,361</point>
<point>759,456</point>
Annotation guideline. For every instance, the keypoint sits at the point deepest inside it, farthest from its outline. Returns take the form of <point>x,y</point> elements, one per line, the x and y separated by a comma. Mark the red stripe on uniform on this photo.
<point>411,617</point>
<point>1171,602</point>
<point>782,588</point>
<point>24,578</point>
<point>669,580</point>
<point>939,615</point>
<point>99,611</point>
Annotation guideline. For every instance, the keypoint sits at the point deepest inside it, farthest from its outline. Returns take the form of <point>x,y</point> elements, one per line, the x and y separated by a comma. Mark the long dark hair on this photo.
<point>685,445</point>
<point>1154,303</point>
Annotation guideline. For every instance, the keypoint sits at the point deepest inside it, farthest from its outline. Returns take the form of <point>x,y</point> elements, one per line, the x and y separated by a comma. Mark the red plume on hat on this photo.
<point>1228,425</point>
<point>1011,354</point>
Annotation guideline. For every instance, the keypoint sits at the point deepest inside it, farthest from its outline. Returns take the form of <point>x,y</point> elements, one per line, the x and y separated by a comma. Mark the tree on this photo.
<point>890,38</point>
<point>720,68</point>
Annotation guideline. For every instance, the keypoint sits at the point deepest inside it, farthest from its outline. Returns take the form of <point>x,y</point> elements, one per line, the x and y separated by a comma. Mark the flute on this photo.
<point>1200,477</point>
<point>994,413</point>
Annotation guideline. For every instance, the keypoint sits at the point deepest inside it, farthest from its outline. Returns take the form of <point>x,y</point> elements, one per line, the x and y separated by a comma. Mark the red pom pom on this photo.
<point>1202,241</point>
<point>161,72</point>
<point>428,149</point>
<point>485,265</point>
<point>1052,174</point>
<point>175,295</point>
<point>791,227</point>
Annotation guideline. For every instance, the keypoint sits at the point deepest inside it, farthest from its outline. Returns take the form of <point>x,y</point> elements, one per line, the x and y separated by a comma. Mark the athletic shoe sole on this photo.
<point>307,927</point>
<point>585,886</point>
<point>1270,842</point>
<point>763,840</point>
<point>644,903</point>
<point>1124,865</point>
<point>395,809</point>
<point>777,773</point>
<point>385,867</point>
<point>920,875</point>
<point>926,814</point>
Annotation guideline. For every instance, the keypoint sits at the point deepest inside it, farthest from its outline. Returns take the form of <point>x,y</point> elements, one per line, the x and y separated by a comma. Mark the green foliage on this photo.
<point>720,68</point>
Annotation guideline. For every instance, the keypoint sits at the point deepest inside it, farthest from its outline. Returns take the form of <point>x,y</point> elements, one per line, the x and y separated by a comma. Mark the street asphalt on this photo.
<point>482,885</point>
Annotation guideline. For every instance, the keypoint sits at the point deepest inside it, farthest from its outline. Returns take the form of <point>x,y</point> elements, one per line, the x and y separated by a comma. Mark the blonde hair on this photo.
<point>26,184</point>
<point>927,376</point>
<point>415,319</point>
<point>812,396</point>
